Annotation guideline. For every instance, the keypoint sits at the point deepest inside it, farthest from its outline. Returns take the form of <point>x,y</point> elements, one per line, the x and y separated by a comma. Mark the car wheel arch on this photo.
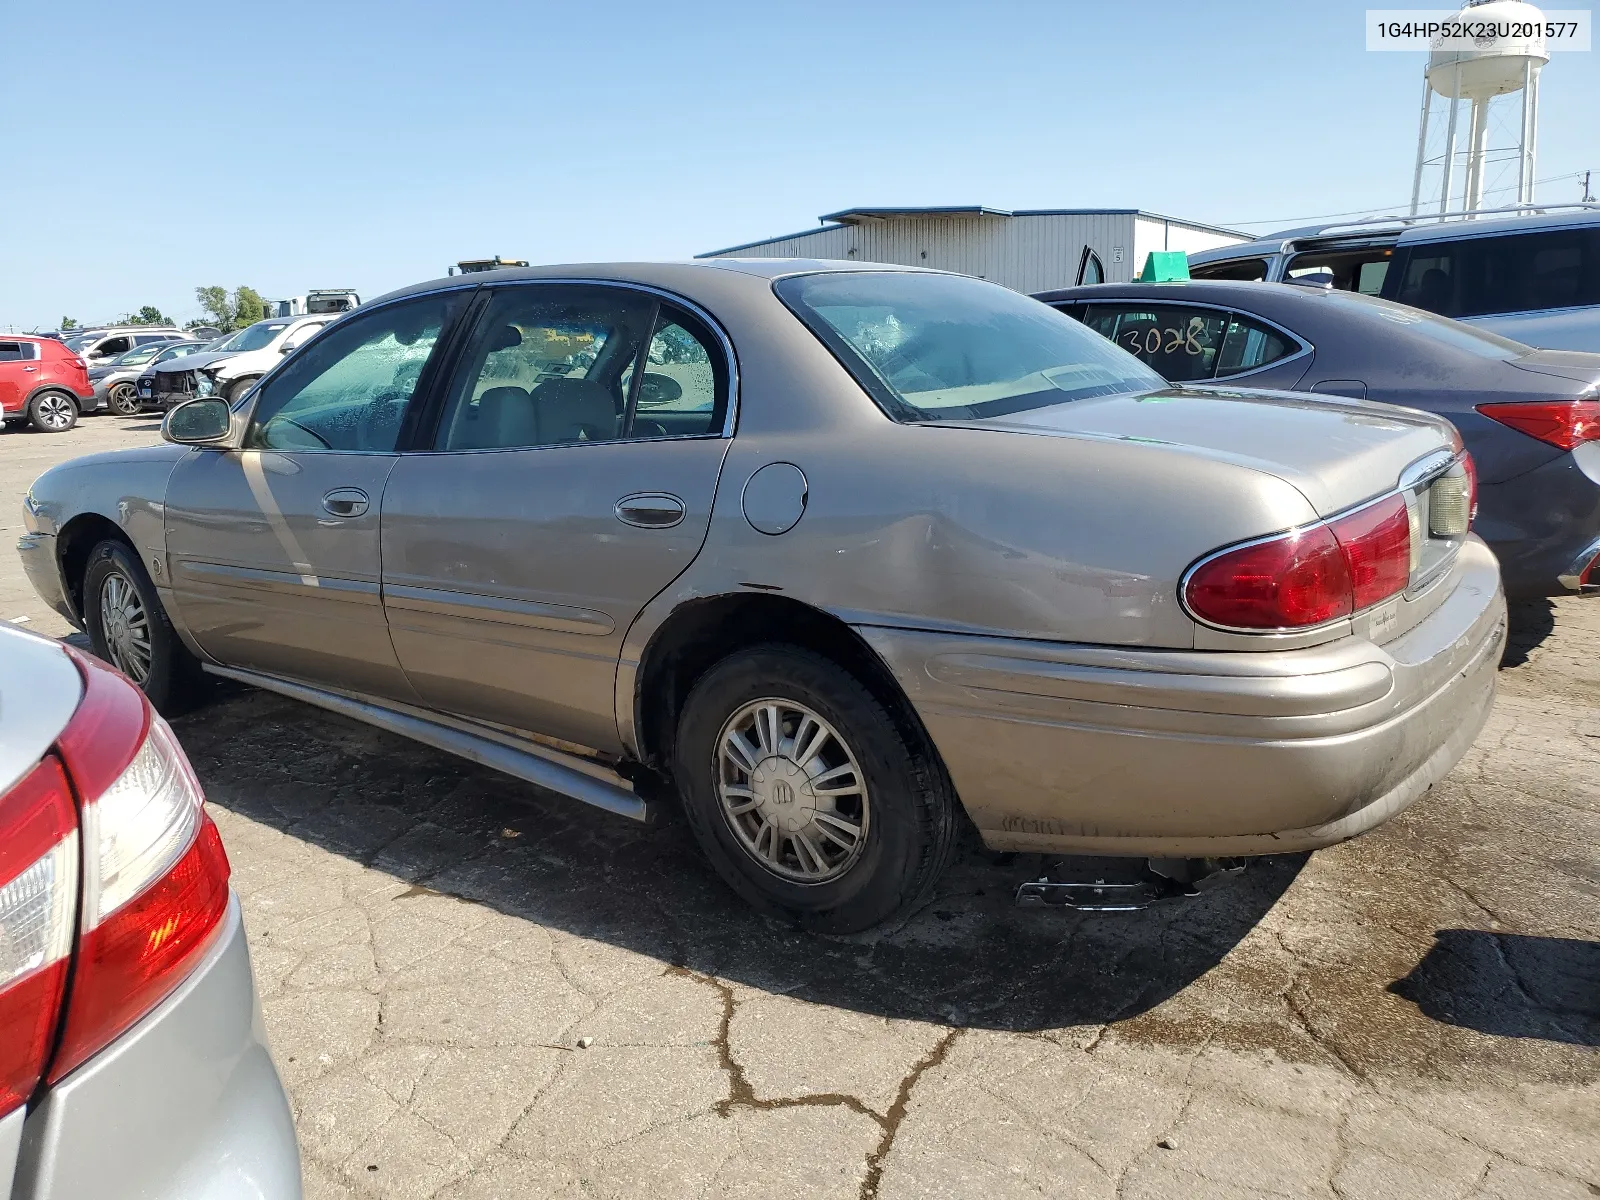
<point>75,543</point>
<point>702,632</point>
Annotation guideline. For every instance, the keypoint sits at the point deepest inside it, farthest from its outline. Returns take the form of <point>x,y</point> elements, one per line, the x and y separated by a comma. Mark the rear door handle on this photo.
<point>345,502</point>
<point>30,368</point>
<point>650,510</point>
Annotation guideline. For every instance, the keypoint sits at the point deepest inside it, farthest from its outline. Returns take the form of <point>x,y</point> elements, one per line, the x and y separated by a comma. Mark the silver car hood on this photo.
<point>1336,452</point>
<point>191,361</point>
<point>40,689</point>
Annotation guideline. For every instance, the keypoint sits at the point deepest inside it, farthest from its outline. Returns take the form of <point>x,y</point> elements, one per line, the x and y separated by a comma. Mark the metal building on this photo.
<point>1031,250</point>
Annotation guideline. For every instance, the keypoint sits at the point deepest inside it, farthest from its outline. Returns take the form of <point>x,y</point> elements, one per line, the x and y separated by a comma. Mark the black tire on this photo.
<point>911,823</point>
<point>173,681</point>
<point>53,411</point>
<point>238,388</point>
<point>123,400</point>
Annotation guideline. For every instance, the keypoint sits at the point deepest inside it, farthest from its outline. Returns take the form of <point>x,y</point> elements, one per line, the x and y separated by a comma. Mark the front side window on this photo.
<point>349,390</point>
<point>1249,344</point>
<point>1176,341</point>
<point>951,348</point>
<point>111,346</point>
<point>1089,268</point>
<point>550,365</point>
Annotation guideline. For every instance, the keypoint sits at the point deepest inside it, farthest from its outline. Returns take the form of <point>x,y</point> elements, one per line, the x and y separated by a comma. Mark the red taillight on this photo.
<point>1296,580</point>
<point>155,879</point>
<point>1307,577</point>
<point>1377,544</point>
<point>38,913</point>
<point>1562,423</point>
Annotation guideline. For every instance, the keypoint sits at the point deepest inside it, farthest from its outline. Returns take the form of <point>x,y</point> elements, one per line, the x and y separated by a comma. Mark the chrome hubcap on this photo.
<point>126,626</point>
<point>55,412</point>
<point>792,791</point>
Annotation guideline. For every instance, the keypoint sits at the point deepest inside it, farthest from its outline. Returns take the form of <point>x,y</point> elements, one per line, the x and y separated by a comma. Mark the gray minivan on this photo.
<point>1533,276</point>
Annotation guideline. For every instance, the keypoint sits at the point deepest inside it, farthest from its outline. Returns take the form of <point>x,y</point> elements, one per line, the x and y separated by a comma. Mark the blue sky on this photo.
<point>369,144</point>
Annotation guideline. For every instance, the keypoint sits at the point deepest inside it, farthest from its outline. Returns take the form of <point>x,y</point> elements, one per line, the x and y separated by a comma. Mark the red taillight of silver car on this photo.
<point>133,918</point>
<point>1322,572</point>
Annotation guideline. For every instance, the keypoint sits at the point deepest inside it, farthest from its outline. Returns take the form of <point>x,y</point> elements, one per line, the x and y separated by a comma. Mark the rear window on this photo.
<point>1468,338</point>
<point>1526,272</point>
<point>946,347</point>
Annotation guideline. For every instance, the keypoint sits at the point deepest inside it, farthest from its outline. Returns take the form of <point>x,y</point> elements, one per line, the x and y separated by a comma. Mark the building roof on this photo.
<point>862,216</point>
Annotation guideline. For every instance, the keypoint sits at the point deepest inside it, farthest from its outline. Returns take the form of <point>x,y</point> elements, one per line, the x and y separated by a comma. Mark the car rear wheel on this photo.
<point>129,629</point>
<point>53,412</point>
<point>124,400</point>
<point>237,390</point>
<point>810,799</point>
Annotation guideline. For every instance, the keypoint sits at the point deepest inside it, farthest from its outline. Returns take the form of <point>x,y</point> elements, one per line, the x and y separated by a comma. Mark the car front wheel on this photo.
<point>129,629</point>
<point>53,412</point>
<point>124,400</point>
<point>810,799</point>
<point>237,390</point>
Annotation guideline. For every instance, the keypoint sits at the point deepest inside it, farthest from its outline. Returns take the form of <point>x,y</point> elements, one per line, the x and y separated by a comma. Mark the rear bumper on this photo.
<point>1541,523</point>
<point>186,1104</point>
<point>1070,749</point>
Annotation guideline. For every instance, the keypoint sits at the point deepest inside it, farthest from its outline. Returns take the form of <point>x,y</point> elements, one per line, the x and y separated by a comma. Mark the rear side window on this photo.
<point>1178,342</point>
<point>1359,270</point>
<point>1527,272</point>
<point>1246,270</point>
<point>1250,344</point>
<point>12,352</point>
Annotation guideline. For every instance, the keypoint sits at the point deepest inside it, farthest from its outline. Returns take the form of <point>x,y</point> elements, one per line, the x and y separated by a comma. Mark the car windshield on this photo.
<point>931,347</point>
<point>133,358</point>
<point>254,337</point>
<point>1455,334</point>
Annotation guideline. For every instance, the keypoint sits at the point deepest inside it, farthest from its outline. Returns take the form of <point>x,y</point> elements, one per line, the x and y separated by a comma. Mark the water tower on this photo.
<point>1499,67</point>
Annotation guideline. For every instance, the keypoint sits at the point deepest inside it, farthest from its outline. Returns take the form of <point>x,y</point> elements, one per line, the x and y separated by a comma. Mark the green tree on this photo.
<point>148,315</point>
<point>247,307</point>
<point>213,302</point>
<point>68,323</point>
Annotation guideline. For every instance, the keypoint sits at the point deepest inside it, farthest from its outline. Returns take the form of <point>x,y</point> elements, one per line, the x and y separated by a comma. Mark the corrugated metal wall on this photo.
<point>1028,253</point>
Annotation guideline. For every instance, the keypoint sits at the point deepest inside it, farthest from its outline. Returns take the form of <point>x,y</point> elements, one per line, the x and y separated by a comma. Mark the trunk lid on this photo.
<point>1575,365</point>
<point>1336,452</point>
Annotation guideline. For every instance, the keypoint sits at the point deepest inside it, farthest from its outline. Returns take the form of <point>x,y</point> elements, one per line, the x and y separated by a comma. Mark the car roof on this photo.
<point>1215,291</point>
<point>1403,232</point>
<point>666,273</point>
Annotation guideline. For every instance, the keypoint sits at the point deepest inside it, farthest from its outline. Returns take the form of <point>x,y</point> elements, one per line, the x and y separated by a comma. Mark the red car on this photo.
<point>43,383</point>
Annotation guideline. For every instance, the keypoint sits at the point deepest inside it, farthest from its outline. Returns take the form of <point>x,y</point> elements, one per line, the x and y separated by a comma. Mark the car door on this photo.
<point>17,373</point>
<point>273,548</point>
<point>570,480</point>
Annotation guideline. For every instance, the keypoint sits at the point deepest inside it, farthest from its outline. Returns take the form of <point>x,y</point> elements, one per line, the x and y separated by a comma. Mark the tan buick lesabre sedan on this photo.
<point>834,553</point>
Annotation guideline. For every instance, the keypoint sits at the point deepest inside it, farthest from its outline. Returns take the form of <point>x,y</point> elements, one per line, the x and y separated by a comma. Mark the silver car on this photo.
<point>836,555</point>
<point>132,1055</point>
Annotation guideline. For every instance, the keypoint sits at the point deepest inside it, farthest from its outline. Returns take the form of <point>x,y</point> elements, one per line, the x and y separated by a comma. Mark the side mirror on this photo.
<point>287,347</point>
<point>200,422</point>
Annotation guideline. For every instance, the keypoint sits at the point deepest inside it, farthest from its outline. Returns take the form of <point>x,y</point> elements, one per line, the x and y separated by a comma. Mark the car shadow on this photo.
<point>970,957</point>
<point>1509,985</point>
<point>1529,623</point>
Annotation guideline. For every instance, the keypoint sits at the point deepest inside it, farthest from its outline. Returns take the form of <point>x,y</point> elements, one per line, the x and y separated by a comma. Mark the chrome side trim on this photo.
<point>472,606</point>
<point>357,591</point>
<point>1572,577</point>
<point>537,764</point>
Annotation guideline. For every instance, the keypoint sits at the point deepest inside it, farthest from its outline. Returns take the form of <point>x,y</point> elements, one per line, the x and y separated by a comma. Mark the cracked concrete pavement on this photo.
<point>474,990</point>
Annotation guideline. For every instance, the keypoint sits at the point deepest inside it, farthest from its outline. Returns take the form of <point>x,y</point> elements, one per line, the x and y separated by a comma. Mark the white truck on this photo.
<point>320,300</point>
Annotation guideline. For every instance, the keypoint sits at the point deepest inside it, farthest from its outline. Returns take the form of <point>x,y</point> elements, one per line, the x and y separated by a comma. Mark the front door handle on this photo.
<point>650,510</point>
<point>345,502</point>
